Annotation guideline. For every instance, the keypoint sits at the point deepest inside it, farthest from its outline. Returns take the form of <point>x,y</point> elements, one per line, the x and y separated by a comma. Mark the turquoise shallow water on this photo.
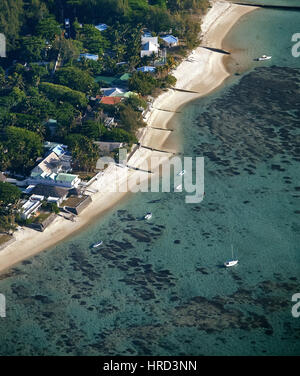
<point>289,3</point>
<point>158,287</point>
<point>272,35</point>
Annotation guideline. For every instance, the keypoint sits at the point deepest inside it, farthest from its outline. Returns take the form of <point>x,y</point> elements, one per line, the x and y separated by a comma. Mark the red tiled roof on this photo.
<point>110,100</point>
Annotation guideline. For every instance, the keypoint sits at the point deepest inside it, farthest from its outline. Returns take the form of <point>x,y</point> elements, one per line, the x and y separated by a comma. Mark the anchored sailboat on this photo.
<point>231,262</point>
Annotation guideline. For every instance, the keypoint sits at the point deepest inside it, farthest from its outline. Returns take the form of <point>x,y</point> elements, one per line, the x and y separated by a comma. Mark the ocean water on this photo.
<point>289,3</point>
<point>158,287</point>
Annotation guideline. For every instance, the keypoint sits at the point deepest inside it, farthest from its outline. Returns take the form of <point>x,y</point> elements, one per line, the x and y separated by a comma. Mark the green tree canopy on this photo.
<point>9,193</point>
<point>23,148</point>
<point>68,49</point>
<point>32,48</point>
<point>29,122</point>
<point>48,28</point>
<point>136,102</point>
<point>84,152</point>
<point>131,120</point>
<point>143,83</point>
<point>36,104</point>
<point>119,135</point>
<point>92,129</point>
<point>75,79</point>
<point>11,12</point>
<point>63,93</point>
<point>93,40</point>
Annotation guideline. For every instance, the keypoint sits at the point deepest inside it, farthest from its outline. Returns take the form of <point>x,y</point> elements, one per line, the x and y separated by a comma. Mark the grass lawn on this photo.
<point>41,217</point>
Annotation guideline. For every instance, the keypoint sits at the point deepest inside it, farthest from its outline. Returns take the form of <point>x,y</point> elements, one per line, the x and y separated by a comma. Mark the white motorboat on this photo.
<point>179,187</point>
<point>264,57</point>
<point>148,216</point>
<point>231,262</point>
<point>97,244</point>
<point>181,173</point>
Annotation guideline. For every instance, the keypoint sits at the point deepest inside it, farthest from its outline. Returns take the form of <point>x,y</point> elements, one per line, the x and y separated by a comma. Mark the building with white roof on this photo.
<point>150,46</point>
<point>51,164</point>
<point>31,206</point>
<point>50,171</point>
<point>112,92</point>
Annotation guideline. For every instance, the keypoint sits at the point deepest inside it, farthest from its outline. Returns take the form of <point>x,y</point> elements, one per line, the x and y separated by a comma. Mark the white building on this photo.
<point>50,172</point>
<point>150,46</point>
<point>31,206</point>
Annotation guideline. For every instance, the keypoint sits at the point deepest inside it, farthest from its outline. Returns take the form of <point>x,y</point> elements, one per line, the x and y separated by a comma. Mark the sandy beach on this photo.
<point>200,73</point>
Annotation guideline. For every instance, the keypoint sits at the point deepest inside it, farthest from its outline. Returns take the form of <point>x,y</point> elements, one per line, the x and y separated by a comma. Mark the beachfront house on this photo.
<point>49,172</point>
<point>150,46</point>
<point>67,180</point>
<point>60,179</point>
<point>31,206</point>
<point>51,193</point>
<point>76,204</point>
<point>42,219</point>
<point>170,40</point>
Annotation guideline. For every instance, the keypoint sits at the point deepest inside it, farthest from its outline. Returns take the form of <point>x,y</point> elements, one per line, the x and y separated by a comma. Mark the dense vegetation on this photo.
<point>43,77</point>
<point>30,93</point>
<point>41,19</point>
<point>9,197</point>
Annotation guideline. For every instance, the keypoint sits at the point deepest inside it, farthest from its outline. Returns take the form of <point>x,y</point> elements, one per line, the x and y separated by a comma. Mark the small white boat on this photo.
<point>231,262</point>
<point>97,244</point>
<point>148,216</point>
<point>264,57</point>
<point>181,173</point>
<point>179,187</point>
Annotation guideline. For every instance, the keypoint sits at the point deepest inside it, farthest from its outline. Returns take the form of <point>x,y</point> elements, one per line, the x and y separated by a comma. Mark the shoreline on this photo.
<point>202,72</point>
